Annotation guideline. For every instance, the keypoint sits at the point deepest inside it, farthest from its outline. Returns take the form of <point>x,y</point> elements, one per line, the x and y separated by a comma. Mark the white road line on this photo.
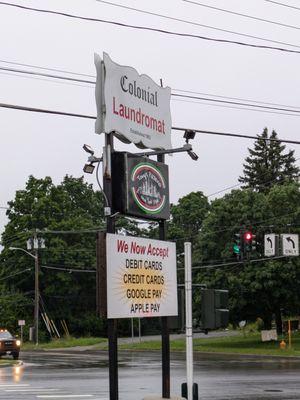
<point>4,385</point>
<point>31,390</point>
<point>64,396</point>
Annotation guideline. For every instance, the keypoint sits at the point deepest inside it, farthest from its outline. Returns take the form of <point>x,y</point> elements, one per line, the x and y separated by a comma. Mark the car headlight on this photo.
<point>18,342</point>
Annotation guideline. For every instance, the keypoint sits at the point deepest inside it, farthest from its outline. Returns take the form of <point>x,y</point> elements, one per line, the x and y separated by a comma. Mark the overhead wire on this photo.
<point>245,106</point>
<point>234,98</point>
<point>17,273</point>
<point>282,4</point>
<point>236,103</point>
<point>208,266</point>
<point>241,14</point>
<point>59,82</point>
<point>164,31</point>
<point>21,71</point>
<point>234,107</point>
<point>264,184</point>
<point>193,23</point>
<point>77,115</point>
<point>71,269</point>
<point>46,68</point>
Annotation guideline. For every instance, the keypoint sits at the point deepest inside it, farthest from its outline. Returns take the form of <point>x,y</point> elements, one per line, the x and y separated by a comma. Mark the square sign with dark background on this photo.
<point>140,186</point>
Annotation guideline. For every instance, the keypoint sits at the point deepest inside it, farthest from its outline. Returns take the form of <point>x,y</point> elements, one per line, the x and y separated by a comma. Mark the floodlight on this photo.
<point>193,155</point>
<point>88,149</point>
<point>189,134</point>
<point>88,168</point>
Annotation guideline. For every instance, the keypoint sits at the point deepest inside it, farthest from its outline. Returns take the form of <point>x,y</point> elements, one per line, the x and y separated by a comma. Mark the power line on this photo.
<point>236,263</point>
<point>236,103</point>
<point>263,185</point>
<point>17,273</point>
<point>46,68</point>
<point>19,75</point>
<point>235,107</point>
<point>88,230</point>
<point>46,111</point>
<point>234,98</point>
<point>66,78</point>
<point>94,82</point>
<point>192,22</point>
<point>282,4</point>
<point>234,135</point>
<point>244,105</point>
<point>69,269</point>
<point>242,15</point>
<point>146,28</point>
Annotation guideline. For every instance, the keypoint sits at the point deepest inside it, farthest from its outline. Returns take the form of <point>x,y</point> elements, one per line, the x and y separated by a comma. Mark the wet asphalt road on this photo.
<point>61,375</point>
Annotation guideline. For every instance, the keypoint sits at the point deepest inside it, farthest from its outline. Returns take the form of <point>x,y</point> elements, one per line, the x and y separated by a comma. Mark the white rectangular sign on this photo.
<point>132,106</point>
<point>290,244</point>
<point>270,245</point>
<point>21,322</point>
<point>141,277</point>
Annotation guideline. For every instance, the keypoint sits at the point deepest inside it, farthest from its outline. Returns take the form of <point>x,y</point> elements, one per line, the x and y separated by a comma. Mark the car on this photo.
<point>9,344</point>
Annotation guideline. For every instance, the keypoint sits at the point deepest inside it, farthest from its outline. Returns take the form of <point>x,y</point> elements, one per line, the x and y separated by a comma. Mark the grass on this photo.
<point>64,343</point>
<point>249,344</point>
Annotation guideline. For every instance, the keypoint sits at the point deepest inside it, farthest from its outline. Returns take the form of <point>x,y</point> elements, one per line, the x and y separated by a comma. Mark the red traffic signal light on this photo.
<point>248,236</point>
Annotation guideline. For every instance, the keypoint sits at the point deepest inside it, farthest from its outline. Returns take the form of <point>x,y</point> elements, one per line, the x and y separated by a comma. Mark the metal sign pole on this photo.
<point>189,322</point>
<point>110,228</point>
<point>165,337</point>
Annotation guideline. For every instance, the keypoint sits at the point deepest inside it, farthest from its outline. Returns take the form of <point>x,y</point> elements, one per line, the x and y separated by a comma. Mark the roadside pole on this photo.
<point>110,228</point>
<point>165,337</point>
<point>36,291</point>
<point>36,298</point>
<point>189,320</point>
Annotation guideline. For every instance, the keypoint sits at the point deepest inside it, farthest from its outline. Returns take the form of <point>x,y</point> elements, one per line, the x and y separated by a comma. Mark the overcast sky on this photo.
<point>46,145</point>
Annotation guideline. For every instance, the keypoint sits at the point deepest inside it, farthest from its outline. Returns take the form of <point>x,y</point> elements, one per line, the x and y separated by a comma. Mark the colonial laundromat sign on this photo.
<point>140,186</point>
<point>132,106</point>
<point>141,277</point>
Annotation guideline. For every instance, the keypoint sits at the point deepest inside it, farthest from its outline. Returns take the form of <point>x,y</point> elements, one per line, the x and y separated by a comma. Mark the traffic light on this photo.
<point>214,309</point>
<point>238,245</point>
<point>249,242</point>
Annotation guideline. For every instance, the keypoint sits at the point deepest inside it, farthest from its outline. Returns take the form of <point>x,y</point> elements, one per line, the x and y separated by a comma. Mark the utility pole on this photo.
<point>35,244</point>
<point>36,296</point>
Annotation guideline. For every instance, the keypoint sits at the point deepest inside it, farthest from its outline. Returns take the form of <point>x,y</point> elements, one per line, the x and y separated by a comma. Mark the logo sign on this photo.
<point>148,188</point>
<point>21,322</point>
<point>140,186</point>
<point>270,245</point>
<point>290,244</point>
<point>141,277</point>
<point>132,106</point>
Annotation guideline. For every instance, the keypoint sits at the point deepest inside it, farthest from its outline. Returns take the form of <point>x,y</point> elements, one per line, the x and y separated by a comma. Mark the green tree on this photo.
<point>187,217</point>
<point>268,164</point>
<point>67,216</point>
<point>259,288</point>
